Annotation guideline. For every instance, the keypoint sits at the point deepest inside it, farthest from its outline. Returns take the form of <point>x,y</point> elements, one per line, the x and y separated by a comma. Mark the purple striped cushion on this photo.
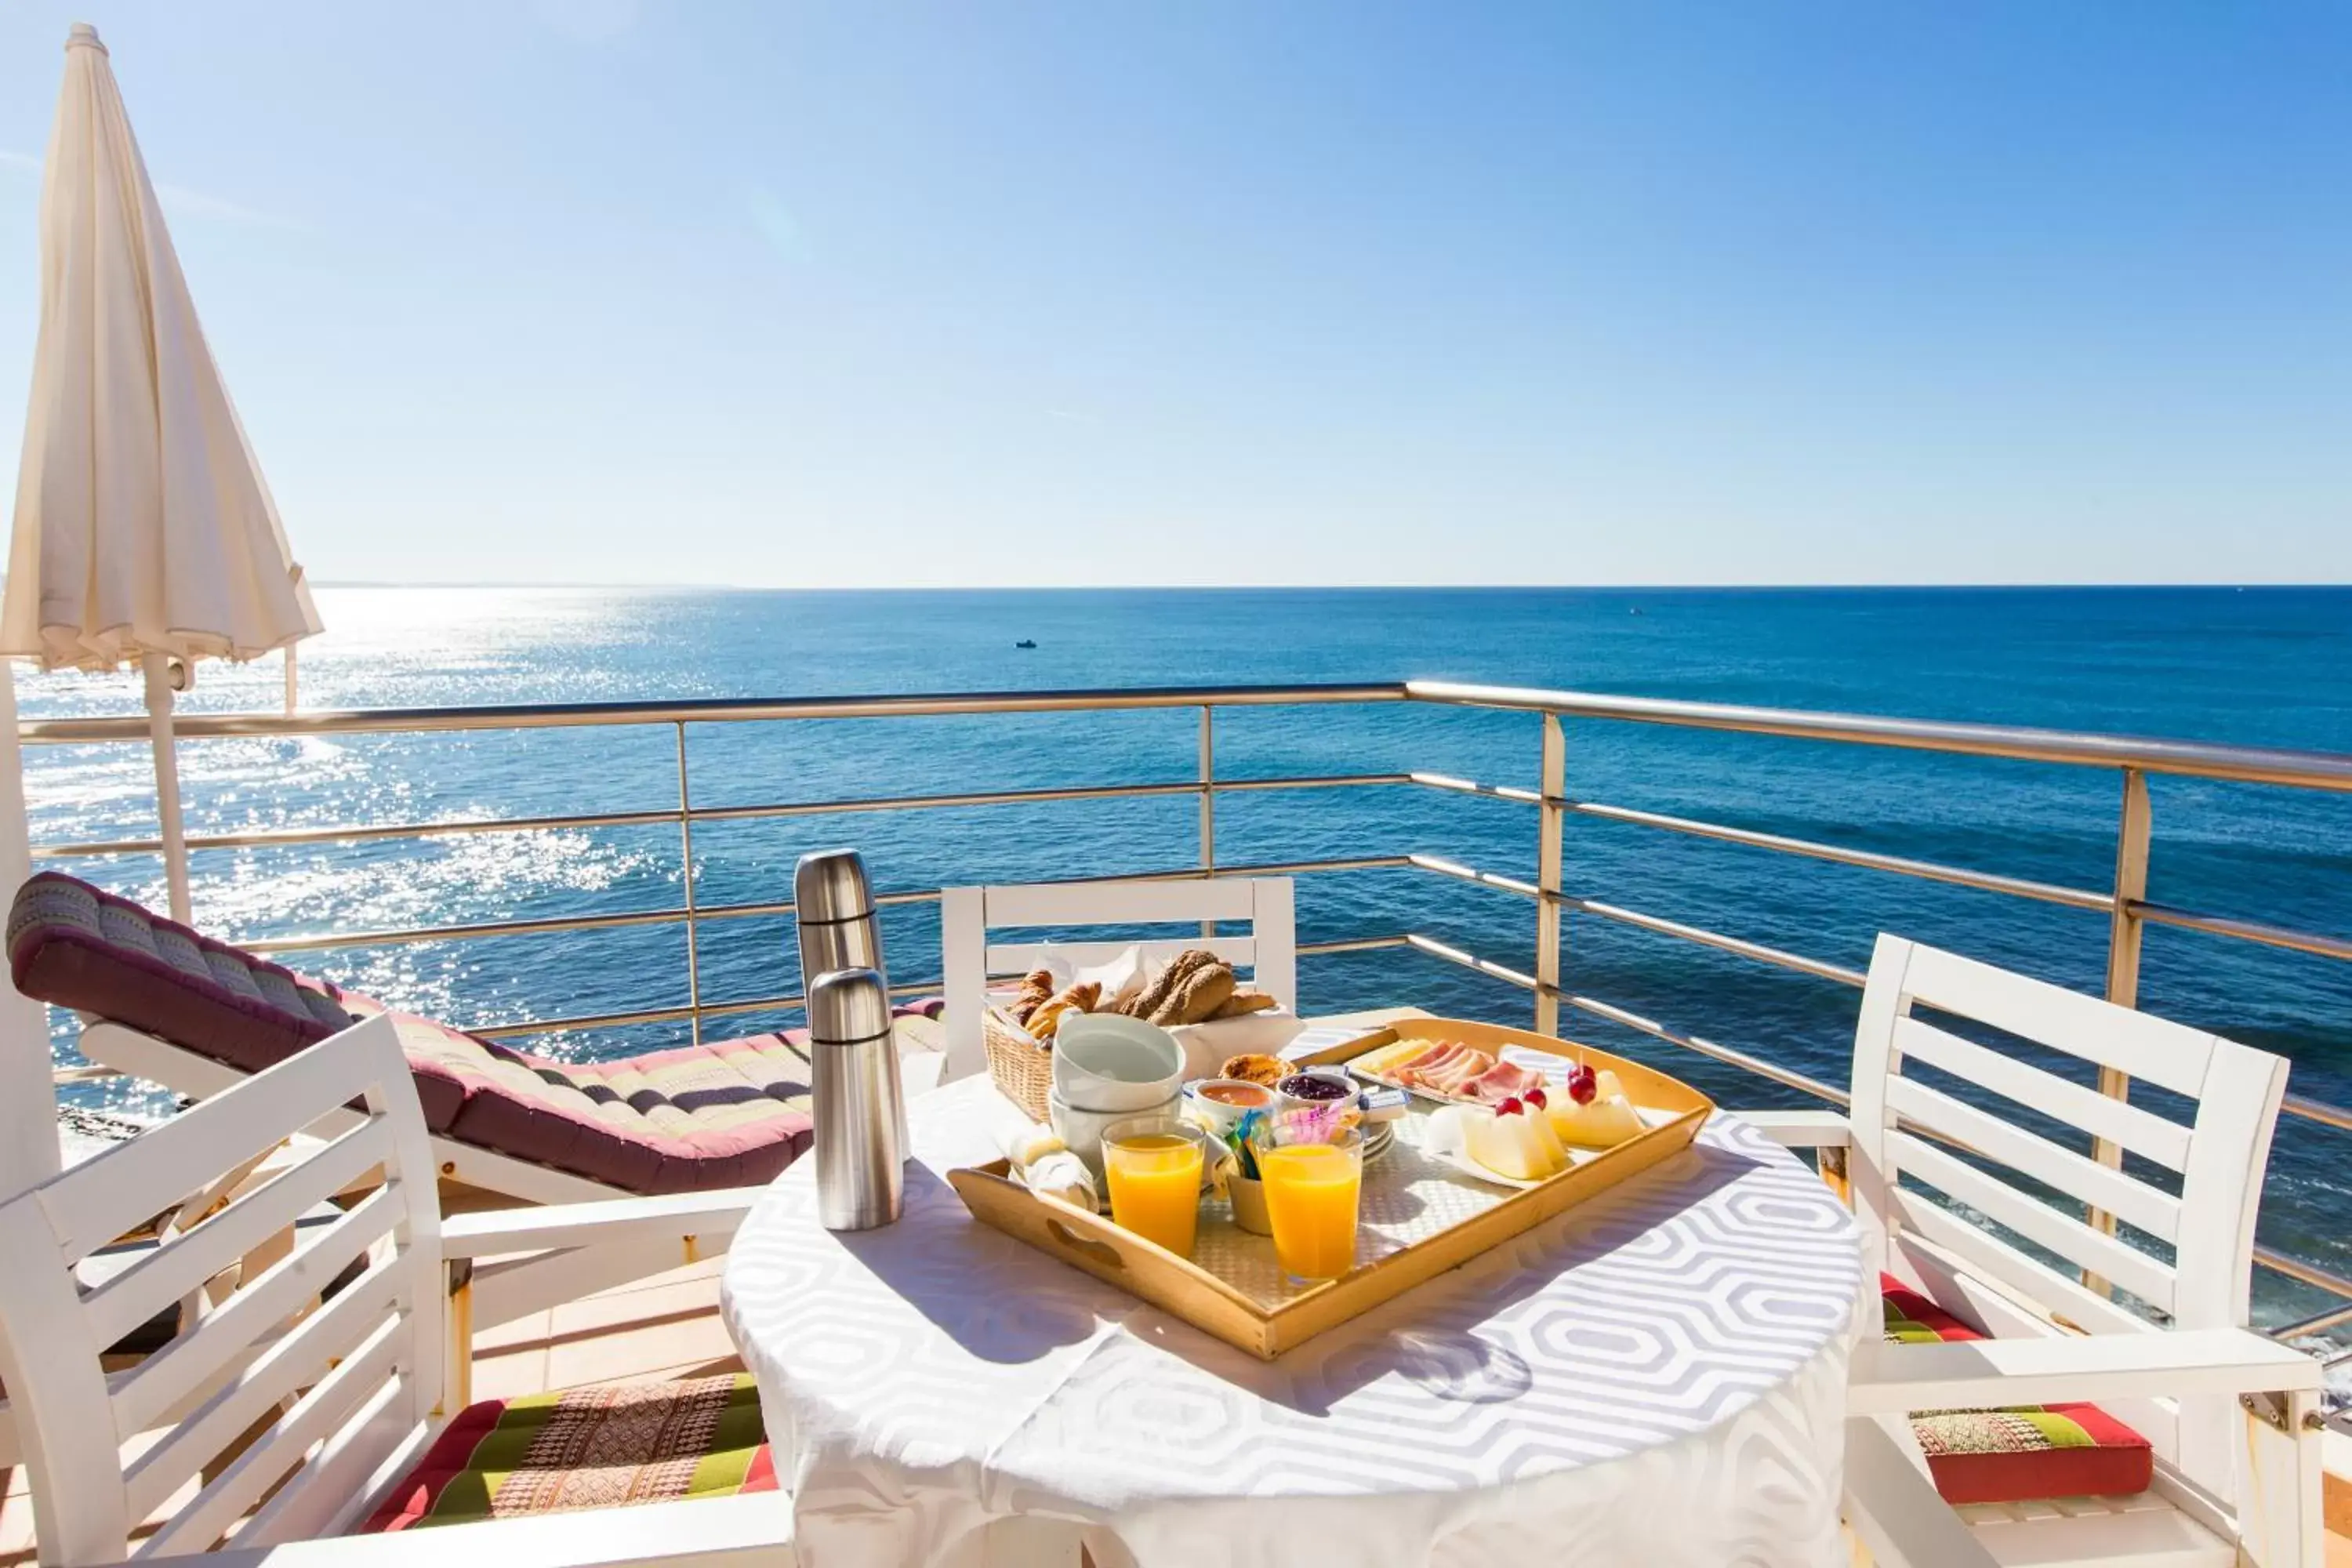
<point>730,1113</point>
<point>82,948</point>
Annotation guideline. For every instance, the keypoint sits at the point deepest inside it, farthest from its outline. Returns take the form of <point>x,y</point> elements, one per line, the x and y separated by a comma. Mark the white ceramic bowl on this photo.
<point>1112,1063</point>
<point>1224,1116</point>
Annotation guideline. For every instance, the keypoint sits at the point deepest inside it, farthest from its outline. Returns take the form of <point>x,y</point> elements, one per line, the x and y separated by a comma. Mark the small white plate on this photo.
<point>1577,1154</point>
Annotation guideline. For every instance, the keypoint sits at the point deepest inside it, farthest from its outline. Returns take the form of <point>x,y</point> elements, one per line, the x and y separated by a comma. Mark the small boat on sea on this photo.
<point>1026,642</point>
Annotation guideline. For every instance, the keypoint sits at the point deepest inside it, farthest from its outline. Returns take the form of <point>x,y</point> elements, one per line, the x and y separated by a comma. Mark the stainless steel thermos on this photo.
<point>853,1060</point>
<point>835,904</point>
<point>849,1024</point>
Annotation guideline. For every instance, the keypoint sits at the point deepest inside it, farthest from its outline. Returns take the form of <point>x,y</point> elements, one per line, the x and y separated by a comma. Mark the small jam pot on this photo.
<point>1318,1086</point>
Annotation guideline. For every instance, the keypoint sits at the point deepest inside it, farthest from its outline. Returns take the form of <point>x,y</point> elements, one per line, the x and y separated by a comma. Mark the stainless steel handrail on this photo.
<point>281,838</point>
<point>699,710</point>
<point>2198,759</point>
<point>2125,904</point>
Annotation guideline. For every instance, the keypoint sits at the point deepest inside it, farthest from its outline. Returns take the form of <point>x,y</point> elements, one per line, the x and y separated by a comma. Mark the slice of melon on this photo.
<point>1608,1122</point>
<point>1520,1145</point>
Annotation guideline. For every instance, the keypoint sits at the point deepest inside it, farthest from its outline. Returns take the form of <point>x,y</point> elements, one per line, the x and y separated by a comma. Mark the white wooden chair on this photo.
<point>2229,1414</point>
<point>352,1388</point>
<point>969,961</point>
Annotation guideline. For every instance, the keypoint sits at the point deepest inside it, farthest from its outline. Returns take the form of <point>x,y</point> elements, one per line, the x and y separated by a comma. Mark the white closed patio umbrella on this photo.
<point>144,531</point>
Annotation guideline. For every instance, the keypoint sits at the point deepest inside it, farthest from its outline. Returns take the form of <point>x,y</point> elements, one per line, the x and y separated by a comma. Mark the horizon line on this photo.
<point>2259,585</point>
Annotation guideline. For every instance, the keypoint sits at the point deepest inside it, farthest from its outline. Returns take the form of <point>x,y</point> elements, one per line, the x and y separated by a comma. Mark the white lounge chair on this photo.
<point>169,1004</point>
<point>322,1404</point>
<point>2229,1414</point>
<point>969,961</point>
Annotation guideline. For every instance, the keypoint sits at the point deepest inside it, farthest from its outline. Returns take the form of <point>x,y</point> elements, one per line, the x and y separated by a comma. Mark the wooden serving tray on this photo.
<point>1420,1215</point>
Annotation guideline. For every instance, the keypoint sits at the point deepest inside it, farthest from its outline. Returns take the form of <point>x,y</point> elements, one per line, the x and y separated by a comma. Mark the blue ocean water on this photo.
<point>2270,666</point>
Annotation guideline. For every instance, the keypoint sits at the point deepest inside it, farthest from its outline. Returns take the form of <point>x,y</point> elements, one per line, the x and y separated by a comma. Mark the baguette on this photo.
<point>1201,993</point>
<point>1241,1004</point>
<point>1148,1002</point>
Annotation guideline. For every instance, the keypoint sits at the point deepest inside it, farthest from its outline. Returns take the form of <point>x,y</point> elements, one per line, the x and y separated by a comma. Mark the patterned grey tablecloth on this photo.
<point>1655,1378</point>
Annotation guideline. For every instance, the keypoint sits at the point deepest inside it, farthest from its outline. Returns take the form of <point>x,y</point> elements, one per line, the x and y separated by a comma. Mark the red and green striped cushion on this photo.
<point>2020,1454</point>
<point>590,1448</point>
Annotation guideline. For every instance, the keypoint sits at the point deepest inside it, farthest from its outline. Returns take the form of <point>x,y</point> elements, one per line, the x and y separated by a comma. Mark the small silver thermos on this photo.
<point>839,930</point>
<point>854,1058</point>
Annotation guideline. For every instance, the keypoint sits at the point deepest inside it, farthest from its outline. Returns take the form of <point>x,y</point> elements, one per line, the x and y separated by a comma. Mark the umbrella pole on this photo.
<point>167,782</point>
<point>28,1094</point>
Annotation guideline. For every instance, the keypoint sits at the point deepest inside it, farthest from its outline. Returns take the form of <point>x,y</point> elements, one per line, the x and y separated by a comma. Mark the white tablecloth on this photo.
<point>1655,1378</point>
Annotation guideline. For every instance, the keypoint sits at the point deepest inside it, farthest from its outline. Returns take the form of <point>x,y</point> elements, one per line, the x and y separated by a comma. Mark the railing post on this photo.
<point>685,854</point>
<point>2123,931</point>
<point>1551,818</point>
<point>1208,803</point>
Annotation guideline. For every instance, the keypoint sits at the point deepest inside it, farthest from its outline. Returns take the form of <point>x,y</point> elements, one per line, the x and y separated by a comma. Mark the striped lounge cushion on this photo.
<point>590,1448</point>
<point>725,1114</point>
<point>2025,1453</point>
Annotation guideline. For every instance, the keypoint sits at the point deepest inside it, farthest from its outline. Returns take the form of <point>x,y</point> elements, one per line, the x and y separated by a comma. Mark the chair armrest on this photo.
<point>1802,1129</point>
<point>1892,1379</point>
<point>1894,1510</point>
<point>750,1530</point>
<point>600,1223</point>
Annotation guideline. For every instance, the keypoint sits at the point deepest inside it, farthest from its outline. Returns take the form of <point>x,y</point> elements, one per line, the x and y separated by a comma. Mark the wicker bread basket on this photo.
<point>1022,1067</point>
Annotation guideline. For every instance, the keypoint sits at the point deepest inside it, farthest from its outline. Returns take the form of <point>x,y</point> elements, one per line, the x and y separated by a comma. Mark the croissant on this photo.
<point>1047,1021</point>
<point>1036,989</point>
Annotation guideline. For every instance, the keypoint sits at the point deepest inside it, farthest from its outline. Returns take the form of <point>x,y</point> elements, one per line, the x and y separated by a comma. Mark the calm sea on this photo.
<point>2270,666</point>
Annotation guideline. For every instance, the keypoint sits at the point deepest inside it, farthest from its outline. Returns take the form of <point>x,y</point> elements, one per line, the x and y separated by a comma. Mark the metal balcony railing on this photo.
<point>2124,902</point>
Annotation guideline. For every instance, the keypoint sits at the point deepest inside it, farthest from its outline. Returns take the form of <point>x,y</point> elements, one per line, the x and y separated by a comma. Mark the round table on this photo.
<point>1656,1377</point>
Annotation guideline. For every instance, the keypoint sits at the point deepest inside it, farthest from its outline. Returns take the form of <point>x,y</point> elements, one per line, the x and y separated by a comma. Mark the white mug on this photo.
<point>1109,1062</point>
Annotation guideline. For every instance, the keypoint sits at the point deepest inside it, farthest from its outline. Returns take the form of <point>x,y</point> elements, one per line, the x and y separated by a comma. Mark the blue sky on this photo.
<point>1268,292</point>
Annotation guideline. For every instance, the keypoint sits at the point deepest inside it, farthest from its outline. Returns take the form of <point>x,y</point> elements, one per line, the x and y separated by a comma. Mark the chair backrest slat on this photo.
<point>1987,1257</point>
<point>2153,1050</point>
<point>160,1386</point>
<point>169,1273</point>
<point>1020,958</point>
<point>292,1362</point>
<point>181,1154</point>
<point>2152,1209</point>
<point>2126,1125</point>
<point>373,1347</point>
<point>314,1417</point>
<point>967,915</point>
<point>1138,903</point>
<point>2143,1276</point>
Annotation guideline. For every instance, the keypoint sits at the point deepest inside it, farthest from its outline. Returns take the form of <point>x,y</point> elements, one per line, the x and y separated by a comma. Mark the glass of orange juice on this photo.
<point>1154,1165</point>
<point>1312,1167</point>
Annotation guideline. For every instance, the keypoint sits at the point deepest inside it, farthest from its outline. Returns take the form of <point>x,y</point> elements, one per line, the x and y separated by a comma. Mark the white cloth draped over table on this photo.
<point>1656,1378</point>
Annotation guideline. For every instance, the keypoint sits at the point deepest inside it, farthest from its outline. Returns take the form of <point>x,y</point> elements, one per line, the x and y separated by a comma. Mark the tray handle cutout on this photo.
<point>1102,1252</point>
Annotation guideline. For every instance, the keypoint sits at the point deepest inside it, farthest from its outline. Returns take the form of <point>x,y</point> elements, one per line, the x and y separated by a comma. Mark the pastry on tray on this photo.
<point>1255,1069</point>
<point>1241,1004</point>
<point>1036,989</point>
<point>1047,1021</point>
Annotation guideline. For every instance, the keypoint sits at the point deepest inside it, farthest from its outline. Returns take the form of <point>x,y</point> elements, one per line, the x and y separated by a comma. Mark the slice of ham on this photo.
<point>1444,1068</point>
<point>1449,1078</point>
<point>1428,1059</point>
<point>1500,1082</point>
